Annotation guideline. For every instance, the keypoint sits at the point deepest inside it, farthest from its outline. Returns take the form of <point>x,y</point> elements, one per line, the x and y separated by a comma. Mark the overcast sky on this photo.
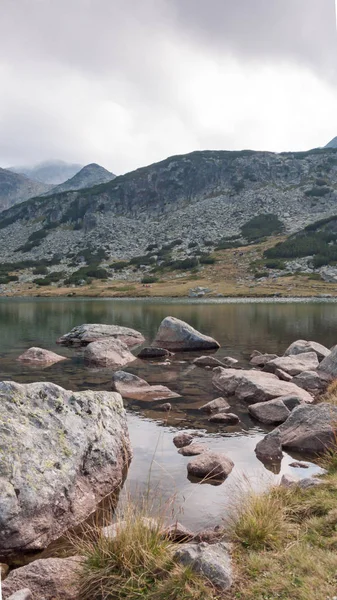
<point>128,82</point>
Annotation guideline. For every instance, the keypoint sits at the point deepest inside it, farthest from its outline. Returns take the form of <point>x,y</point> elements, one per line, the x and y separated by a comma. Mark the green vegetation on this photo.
<point>8,278</point>
<point>318,192</point>
<point>207,259</point>
<point>86,274</point>
<point>274,264</point>
<point>51,278</point>
<point>119,265</point>
<point>149,279</point>
<point>262,226</point>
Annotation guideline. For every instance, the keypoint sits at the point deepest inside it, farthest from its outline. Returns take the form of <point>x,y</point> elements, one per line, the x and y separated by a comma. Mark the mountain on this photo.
<point>53,171</point>
<point>177,209</point>
<point>332,144</point>
<point>16,188</point>
<point>87,177</point>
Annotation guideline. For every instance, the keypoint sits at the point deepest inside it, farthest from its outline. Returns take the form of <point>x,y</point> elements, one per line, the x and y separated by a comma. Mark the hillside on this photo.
<point>52,172</point>
<point>87,177</point>
<point>169,216</point>
<point>16,188</point>
<point>332,144</point>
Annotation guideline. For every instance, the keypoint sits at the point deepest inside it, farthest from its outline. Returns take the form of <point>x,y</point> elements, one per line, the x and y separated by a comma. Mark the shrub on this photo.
<point>149,279</point>
<point>8,278</point>
<point>261,226</point>
<point>317,192</point>
<point>228,244</point>
<point>186,264</point>
<point>207,259</point>
<point>151,247</point>
<point>119,265</point>
<point>42,281</point>
<point>40,270</point>
<point>260,274</point>
<point>274,264</point>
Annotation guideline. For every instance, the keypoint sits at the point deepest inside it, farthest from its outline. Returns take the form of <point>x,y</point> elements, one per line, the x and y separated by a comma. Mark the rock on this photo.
<point>329,364</point>
<point>295,364</point>
<point>225,419</point>
<point>192,449</point>
<point>255,386</point>
<point>165,407</point>
<point>178,534</point>
<point>22,595</point>
<point>131,386</point>
<point>210,465</point>
<point>183,439</point>
<point>299,465</point>
<point>309,430</point>
<point>47,578</point>
<point>39,356</point>
<point>302,346</point>
<point>283,375</point>
<point>272,412</point>
<point>269,449</point>
<point>177,335</point>
<point>210,536</point>
<point>62,453</point>
<point>112,531</point>
<point>219,404</point>
<point>255,353</point>
<point>261,359</point>
<point>108,352</point>
<point>210,561</point>
<point>152,352</point>
<point>85,334</point>
<point>210,361</point>
<point>4,570</point>
<point>289,481</point>
<point>314,382</point>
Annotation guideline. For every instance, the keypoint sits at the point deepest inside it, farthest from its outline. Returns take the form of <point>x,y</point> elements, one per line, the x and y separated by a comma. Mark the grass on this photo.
<point>137,563</point>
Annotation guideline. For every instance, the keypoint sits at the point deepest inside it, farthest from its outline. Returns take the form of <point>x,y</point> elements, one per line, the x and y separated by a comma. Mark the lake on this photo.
<point>240,326</point>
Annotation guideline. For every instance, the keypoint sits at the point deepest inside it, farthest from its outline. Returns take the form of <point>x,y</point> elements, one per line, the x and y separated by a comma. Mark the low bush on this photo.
<point>318,192</point>
<point>207,259</point>
<point>8,279</point>
<point>275,264</point>
<point>119,265</point>
<point>262,226</point>
<point>149,279</point>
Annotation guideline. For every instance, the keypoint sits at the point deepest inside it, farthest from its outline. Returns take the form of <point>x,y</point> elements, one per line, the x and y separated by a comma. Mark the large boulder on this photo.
<point>329,364</point>
<point>108,352</point>
<point>310,430</point>
<point>177,335</point>
<point>272,412</point>
<point>302,346</point>
<point>85,334</point>
<point>182,439</point>
<point>255,386</point>
<point>210,466</point>
<point>40,357</point>
<point>131,386</point>
<point>47,579</point>
<point>212,562</point>
<point>315,382</point>
<point>295,364</point>
<point>61,454</point>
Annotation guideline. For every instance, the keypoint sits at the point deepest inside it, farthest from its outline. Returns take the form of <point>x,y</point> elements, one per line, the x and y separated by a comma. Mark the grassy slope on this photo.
<point>230,276</point>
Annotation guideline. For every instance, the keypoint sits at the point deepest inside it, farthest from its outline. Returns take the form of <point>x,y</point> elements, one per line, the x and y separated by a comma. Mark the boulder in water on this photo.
<point>40,357</point>
<point>176,335</point>
<point>108,352</point>
<point>135,388</point>
<point>82,335</point>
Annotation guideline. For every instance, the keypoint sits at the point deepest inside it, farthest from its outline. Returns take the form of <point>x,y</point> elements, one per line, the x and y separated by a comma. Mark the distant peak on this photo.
<point>332,144</point>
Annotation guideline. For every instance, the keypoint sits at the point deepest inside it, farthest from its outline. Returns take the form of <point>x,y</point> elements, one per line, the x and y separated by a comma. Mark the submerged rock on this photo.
<point>46,579</point>
<point>210,561</point>
<point>108,353</point>
<point>295,364</point>
<point>85,334</point>
<point>302,346</point>
<point>310,430</point>
<point>61,454</point>
<point>210,465</point>
<point>131,386</point>
<point>255,386</point>
<point>176,335</point>
<point>152,352</point>
<point>217,405</point>
<point>225,419</point>
<point>211,361</point>
<point>193,450</point>
<point>39,356</point>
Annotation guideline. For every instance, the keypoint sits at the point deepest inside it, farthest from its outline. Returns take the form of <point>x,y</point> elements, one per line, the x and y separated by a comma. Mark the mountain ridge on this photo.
<point>89,176</point>
<point>16,188</point>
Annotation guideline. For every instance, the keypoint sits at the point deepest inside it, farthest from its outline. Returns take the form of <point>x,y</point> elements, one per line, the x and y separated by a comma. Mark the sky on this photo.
<point>125,83</point>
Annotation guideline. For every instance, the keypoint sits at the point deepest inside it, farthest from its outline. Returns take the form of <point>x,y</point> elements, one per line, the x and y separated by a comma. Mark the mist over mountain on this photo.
<point>15,188</point>
<point>89,176</point>
<point>50,171</point>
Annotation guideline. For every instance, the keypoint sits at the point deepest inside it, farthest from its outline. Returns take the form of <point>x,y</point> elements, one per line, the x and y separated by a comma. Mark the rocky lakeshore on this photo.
<point>63,452</point>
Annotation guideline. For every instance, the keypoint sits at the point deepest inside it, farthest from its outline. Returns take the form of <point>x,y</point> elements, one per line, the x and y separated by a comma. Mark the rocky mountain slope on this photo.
<point>52,172</point>
<point>177,208</point>
<point>16,188</point>
<point>332,144</point>
<point>89,176</point>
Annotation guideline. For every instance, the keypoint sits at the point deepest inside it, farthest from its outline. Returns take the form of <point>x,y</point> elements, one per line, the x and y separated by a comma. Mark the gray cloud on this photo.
<point>129,82</point>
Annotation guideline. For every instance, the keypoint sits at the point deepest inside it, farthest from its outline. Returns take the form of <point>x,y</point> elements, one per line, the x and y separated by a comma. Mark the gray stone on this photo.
<point>24,594</point>
<point>283,375</point>
<point>315,382</point>
<point>255,386</point>
<point>302,346</point>
<point>211,361</point>
<point>106,353</point>
<point>329,364</point>
<point>219,404</point>
<point>47,578</point>
<point>309,429</point>
<point>212,562</point>
<point>165,407</point>
<point>152,352</point>
<point>272,412</point>
<point>183,439</point>
<point>289,481</point>
<point>131,386</point>
<point>176,335</point>
<point>294,364</point>
<point>225,419</point>
<point>62,453</point>
<point>269,449</point>
<point>85,334</point>
<point>261,359</point>
<point>110,532</point>
<point>193,449</point>
<point>39,356</point>
<point>210,465</point>
<point>178,533</point>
